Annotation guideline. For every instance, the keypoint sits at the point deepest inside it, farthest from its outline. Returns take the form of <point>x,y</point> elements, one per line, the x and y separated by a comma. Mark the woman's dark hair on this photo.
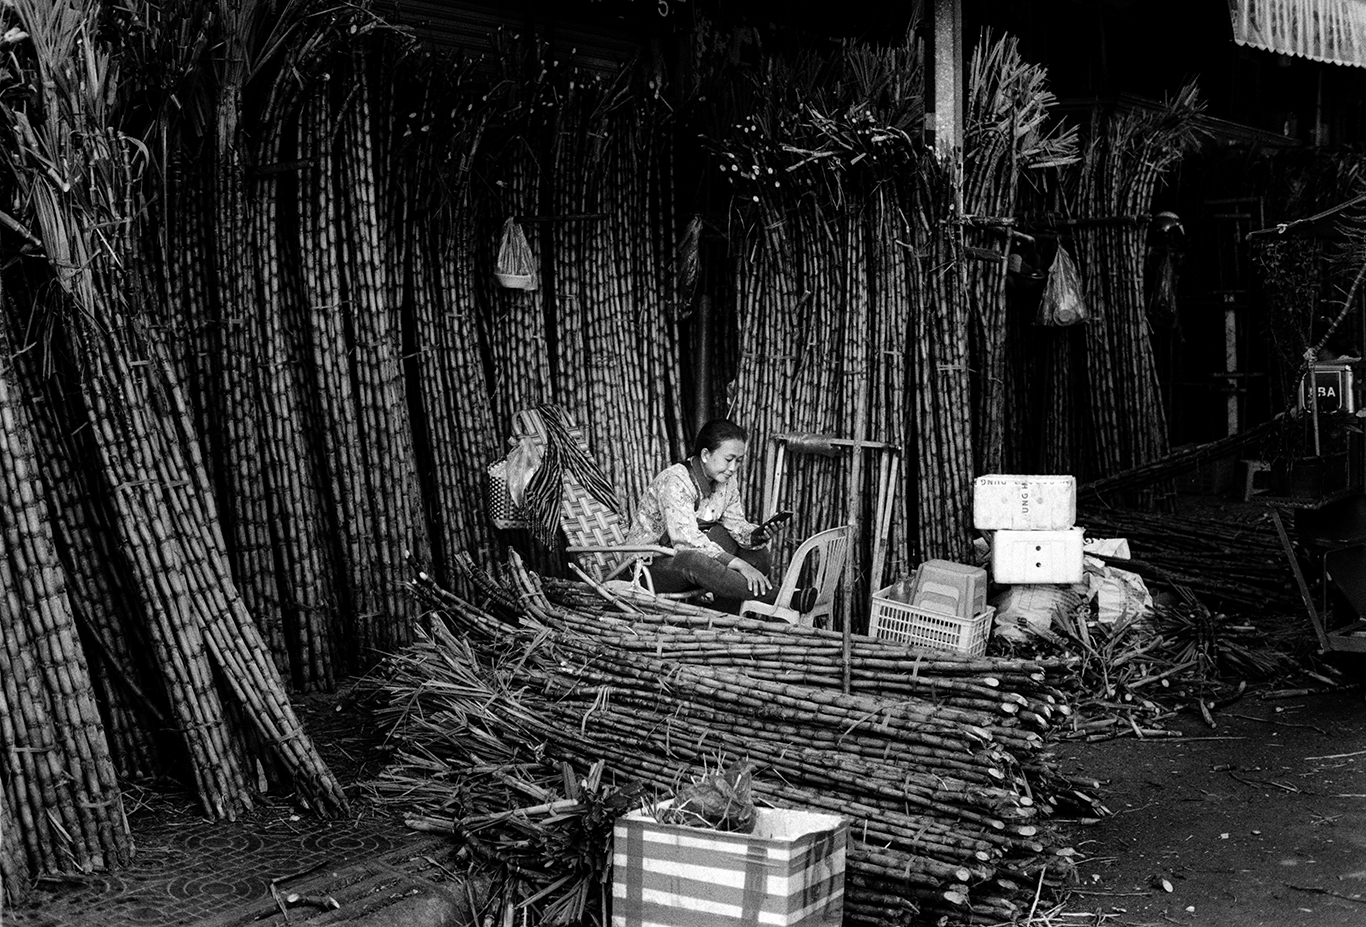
<point>715,433</point>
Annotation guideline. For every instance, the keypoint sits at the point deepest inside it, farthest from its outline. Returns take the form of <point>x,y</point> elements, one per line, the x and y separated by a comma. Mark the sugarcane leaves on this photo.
<point>718,800</point>
<point>829,125</point>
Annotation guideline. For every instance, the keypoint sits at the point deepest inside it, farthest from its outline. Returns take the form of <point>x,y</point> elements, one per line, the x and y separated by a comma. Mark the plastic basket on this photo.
<point>893,618</point>
<point>504,514</point>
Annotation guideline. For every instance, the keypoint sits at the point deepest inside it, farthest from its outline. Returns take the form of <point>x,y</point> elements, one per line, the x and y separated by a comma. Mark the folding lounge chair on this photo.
<point>595,535</point>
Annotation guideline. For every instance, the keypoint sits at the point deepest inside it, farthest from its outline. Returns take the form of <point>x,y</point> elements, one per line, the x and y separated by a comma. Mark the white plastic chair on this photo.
<point>830,548</point>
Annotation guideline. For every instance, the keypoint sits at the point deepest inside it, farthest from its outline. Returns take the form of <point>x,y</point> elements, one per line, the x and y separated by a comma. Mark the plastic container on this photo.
<point>894,618</point>
<point>1011,502</point>
<point>952,588</point>
<point>1030,557</point>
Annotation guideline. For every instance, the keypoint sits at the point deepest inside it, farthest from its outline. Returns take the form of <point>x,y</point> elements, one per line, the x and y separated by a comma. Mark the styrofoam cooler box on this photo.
<point>1037,556</point>
<point>1013,502</point>
<point>952,588</point>
<point>789,872</point>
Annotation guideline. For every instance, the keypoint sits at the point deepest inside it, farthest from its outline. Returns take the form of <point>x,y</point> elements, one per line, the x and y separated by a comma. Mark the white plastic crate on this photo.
<point>895,618</point>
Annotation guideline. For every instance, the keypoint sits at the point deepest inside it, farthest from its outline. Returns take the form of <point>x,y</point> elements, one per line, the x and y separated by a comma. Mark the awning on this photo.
<point>1321,30</point>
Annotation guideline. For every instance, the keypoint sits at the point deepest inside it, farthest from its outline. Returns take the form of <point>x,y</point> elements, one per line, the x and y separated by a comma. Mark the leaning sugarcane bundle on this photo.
<point>56,757</point>
<point>336,430</point>
<point>203,639</point>
<point>454,429</point>
<point>294,474</point>
<point>13,871</point>
<point>108,611</point>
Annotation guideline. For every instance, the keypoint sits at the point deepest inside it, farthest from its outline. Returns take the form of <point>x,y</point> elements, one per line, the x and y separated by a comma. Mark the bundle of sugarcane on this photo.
<point>333,402</point>
<point>1134,675</point>
<point>13,872</point>
<point>240,301</point>
<point>946,779</point>
<point>1005,134</point>
<point>612,231</point>
<point>942,416</point>
<point>108,611</point>
<point>63,809</point>
<point>430,150</point>
<point>389,475</point>
<point>583,164</point>
<point>815,169</point>
<point>1123,161</point>
<point>295,474</point>
<point>1230,563</point>
<point>133,414</point>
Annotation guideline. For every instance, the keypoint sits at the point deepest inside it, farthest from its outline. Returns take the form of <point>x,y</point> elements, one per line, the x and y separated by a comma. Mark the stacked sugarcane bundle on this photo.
<point>1005,134</point>
<point>938,759</point>
<point>113,397</point>
<point>1113,389</point>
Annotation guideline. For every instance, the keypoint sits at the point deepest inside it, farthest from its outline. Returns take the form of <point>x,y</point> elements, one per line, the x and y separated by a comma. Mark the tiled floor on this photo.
<point>188,870</point>
<point>192,871</point>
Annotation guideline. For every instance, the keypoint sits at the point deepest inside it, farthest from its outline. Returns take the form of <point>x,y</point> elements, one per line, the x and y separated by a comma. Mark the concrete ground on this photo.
<point>1259,822</point>
<point>368,870</point>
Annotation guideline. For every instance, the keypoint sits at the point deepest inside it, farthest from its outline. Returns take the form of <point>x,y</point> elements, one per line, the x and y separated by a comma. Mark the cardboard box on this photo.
<point>788,873</point>
<point>1031,557</point>
<point>1010,502</point>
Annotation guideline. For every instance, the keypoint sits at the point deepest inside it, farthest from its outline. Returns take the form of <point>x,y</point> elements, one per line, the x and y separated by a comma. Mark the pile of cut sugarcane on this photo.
<point>938,759</point>
<point>1133,676</point>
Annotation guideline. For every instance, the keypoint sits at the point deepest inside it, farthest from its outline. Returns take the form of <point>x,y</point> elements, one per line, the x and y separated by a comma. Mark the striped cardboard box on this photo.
<point>788,873</point>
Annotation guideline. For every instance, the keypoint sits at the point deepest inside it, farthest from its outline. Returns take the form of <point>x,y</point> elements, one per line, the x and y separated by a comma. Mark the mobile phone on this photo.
<point>777,518</point>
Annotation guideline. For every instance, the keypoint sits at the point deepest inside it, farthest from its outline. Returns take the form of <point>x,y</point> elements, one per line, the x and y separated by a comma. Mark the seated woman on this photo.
<point>694,507</point>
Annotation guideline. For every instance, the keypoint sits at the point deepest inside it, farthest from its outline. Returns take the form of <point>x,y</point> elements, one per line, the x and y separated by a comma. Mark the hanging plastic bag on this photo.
<point>522,462</point>
<point>1062,302</point>
<point>516,268</point>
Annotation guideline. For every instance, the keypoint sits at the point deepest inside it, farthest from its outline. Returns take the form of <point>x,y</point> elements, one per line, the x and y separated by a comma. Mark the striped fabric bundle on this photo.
<point>562,452</point>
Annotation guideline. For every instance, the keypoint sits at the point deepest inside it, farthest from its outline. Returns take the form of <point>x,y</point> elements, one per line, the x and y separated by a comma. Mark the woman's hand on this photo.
<point>758,583</point>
